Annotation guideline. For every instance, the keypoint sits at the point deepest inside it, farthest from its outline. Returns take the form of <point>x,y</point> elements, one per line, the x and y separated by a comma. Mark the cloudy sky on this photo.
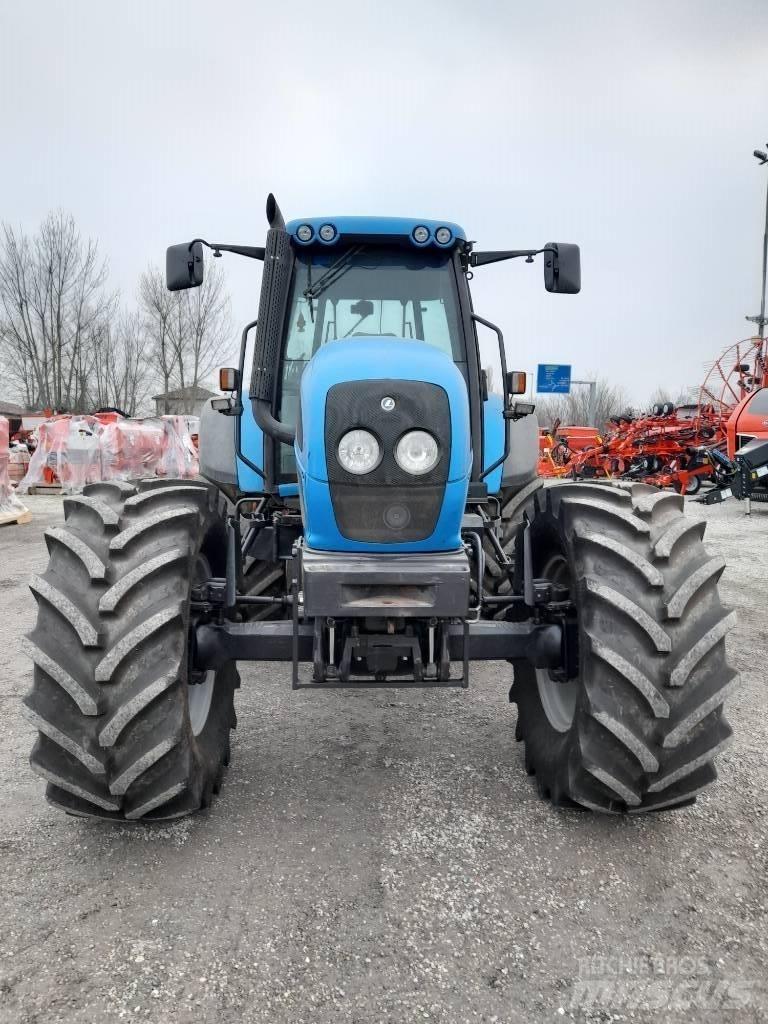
<point>624,125</point>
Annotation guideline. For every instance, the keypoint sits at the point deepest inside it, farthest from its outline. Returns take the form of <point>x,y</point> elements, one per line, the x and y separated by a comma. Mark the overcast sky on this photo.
<point>627,127</point>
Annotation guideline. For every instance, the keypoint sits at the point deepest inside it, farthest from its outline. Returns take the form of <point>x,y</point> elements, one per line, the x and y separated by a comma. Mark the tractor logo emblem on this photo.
<point>387,404</point>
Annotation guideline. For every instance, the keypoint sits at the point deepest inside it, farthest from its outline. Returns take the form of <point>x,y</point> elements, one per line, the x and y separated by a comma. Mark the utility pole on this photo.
<point>761,319</point>
<point>592,406</point>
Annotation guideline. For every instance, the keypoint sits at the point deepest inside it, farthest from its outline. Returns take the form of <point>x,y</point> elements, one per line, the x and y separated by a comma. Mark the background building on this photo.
<point>182,402</point>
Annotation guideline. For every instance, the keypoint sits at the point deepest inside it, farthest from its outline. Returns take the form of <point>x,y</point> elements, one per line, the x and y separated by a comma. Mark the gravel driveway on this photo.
<point>381,856</point>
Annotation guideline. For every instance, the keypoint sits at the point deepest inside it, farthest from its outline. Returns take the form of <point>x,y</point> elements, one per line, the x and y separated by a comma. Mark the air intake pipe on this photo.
<point>262,413</point>
<point>275,286</point>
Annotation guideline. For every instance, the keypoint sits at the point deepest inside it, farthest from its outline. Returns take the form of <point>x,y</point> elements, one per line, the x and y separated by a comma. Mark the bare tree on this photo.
<point>188,332</point>
<point>119,374</point>
<point>661,396</point>
<point>135,372</point>
<point>573,409</point>
<point>52,300</point>
<point>158,306</point>
<point>208,325</point>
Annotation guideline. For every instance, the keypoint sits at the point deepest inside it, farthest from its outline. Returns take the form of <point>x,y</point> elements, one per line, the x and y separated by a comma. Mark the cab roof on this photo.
<point>366,228</point>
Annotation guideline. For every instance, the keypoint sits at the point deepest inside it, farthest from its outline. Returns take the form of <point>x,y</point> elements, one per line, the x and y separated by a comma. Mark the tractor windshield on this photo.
<point>363,291</point>
<point>372,291</point>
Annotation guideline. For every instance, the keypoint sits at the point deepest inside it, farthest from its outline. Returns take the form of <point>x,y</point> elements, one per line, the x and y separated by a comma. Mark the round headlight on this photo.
<point>443,235</point>
<point>327,232</point>
<point>304,233</point>
<point>421,234</point>
<point>417,452</point>
<point>359,452</point>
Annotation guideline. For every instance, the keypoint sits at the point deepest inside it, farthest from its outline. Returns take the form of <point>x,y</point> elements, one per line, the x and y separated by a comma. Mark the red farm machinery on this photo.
<point>679,447</point>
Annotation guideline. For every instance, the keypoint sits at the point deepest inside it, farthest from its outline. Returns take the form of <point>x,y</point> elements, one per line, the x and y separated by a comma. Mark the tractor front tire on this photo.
<point>126,729</point>
<point>639,726</point>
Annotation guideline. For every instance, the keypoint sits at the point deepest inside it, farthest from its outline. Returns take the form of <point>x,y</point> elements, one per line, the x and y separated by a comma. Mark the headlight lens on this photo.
<point>304,233</point>
<point>359,452</point>
<point>417,452</point>
<point>421,234</point>
<point>443,235</point>
<point>327,232</point>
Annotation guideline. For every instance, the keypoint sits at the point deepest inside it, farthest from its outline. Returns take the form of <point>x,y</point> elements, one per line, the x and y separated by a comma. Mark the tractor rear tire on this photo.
<point>126,730</point>
<point>638,728</point>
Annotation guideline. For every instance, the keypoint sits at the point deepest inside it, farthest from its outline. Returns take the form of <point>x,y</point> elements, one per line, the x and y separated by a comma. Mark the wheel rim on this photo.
<point>199,684</point>
<point>199,697</point>
<point>558,699</point>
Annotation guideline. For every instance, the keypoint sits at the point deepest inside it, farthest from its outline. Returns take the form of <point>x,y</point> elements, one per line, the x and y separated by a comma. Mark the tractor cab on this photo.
<point>346,281</point>
<point>362,278</point>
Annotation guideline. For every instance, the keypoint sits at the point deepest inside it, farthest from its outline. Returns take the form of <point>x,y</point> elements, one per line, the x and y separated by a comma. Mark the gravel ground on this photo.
<point>381,856</point>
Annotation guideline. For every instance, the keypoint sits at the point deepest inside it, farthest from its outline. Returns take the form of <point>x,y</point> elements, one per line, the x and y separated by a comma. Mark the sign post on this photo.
<point>592,407</point>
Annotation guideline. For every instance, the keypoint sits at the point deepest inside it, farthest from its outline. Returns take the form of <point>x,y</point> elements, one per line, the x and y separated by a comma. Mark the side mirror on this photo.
<point>517,382</point>
<point>229,379</point>
<point>184,266</point>
<point>562,268</point>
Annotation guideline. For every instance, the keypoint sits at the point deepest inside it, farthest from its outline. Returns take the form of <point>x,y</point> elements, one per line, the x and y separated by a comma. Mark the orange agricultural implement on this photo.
<point>678,447</point>
<point>558,446</point>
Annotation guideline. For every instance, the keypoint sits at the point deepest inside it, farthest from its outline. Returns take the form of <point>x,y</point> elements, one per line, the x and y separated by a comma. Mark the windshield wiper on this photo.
<point>336,270</point>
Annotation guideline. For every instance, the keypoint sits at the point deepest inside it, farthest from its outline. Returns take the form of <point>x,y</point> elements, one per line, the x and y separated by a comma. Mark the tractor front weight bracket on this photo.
<point>296,641</point>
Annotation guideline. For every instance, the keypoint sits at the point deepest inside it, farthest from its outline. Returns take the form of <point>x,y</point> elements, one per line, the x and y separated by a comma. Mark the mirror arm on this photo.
<point>253,252</point>
<point>479,259</point>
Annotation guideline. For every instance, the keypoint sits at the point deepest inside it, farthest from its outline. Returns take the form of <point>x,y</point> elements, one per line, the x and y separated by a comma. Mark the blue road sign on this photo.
<point>553,379</point>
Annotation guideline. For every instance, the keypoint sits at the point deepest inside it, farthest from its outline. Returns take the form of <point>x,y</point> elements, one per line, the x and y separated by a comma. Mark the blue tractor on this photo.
<point>368,512</point>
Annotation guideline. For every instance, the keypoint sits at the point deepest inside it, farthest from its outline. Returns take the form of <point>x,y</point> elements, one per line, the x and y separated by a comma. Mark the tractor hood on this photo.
<point>380,359</point>
<point>387,387</point>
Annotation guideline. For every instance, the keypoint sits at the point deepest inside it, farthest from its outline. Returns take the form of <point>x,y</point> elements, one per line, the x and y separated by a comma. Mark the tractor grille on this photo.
<point>387,505</point>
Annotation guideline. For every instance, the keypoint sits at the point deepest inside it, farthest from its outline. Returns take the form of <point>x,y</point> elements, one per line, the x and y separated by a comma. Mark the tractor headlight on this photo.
<point>417,452</point>
<point>305,232</point>
<point>420,234</point>
<point>443,236</point>
<point>359,452</point>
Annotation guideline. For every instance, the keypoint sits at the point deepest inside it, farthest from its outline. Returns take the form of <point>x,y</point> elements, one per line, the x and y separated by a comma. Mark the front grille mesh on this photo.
<point>386,514</point>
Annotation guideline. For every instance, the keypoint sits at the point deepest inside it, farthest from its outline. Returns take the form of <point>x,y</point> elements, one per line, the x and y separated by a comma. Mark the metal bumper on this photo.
<point>434,585</point>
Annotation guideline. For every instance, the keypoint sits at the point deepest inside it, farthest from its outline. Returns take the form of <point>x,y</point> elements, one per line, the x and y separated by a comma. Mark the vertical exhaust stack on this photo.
<point>275,285</point>
<point>275,217</point>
